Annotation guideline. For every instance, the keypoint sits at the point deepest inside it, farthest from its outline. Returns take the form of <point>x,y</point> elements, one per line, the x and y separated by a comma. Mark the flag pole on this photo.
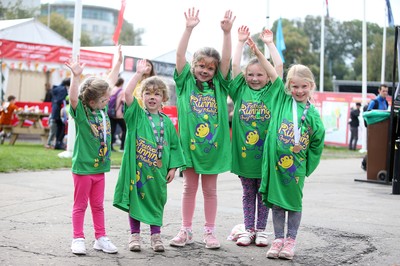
<point>364,75</point>
<point>76,46</point>
<point>266,50</point>
<point>384,49</point>
<point>322,52</point>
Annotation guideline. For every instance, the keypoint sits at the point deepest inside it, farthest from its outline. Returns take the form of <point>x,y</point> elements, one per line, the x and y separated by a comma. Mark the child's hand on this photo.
<point>227,22</point>
<point>251,44</point>
<point>243,33</point>
<point>267,36</point>
<point>120,57</point>
<point>171,175</point>
<point>75,66</point>
<point>141,66</point>
<point>192,18</point>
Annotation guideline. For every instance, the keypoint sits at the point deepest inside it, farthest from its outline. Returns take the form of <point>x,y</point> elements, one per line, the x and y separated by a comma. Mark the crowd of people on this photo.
<point>277,141</point>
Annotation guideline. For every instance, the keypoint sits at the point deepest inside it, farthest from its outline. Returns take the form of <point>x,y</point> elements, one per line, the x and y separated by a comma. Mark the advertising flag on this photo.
<point>280,42</point>
<point>120,21</point>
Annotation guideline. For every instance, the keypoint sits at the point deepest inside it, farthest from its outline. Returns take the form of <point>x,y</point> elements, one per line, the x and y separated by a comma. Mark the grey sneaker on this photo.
<point>104,244</point>
<point>78,246</point>
<point>156,243</point>
<point>134,242</point>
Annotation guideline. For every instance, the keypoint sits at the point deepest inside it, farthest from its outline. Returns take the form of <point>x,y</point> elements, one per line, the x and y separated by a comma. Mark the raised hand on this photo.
<point>192,18</point>
<point>75,66</point>
<point>243,33</point>
<point>251,44</point>
<point>141,66</point>
<point>267,36</point>
<point>227,22</point>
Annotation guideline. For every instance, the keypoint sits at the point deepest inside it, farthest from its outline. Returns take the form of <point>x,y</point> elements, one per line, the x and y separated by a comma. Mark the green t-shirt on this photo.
<point>90,156</point>
<point>203,122</point>
<point>141,188</point>
<point>284,171</point>
<point>249,126</point>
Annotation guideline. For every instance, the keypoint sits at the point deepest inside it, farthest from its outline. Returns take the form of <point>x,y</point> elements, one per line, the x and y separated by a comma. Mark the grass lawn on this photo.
<point>25,156</point>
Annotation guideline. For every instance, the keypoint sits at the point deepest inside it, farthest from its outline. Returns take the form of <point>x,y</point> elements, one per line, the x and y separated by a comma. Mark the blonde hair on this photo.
<point>155,83</point>
<point>206,52</point>
<point>92,89</point>
<point>299,71</point>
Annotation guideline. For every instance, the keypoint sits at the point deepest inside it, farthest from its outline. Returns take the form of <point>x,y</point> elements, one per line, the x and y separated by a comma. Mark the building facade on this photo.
<point>98,22</point>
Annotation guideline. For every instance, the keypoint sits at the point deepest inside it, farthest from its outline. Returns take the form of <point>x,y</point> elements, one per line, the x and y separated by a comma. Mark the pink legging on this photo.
<point>209,187</point>
<point>88,187</point>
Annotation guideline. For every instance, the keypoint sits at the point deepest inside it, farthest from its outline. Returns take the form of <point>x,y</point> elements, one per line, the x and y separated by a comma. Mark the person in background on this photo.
<point>150,160</point>
<point>354,124</point>
<point>7,110</point>
<point>59,93</point>
<point>119,115</point>
<point>202,92</point>
<point>380,102</point>
<point>48,96</point>
<point>150,72</point>
<point>249,91</point>
<point>91,154</point>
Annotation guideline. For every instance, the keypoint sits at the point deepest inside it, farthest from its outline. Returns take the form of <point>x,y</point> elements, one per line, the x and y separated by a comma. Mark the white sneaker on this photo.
<point>261,239</point>
<point>104,244</point>
<point>78,246</point>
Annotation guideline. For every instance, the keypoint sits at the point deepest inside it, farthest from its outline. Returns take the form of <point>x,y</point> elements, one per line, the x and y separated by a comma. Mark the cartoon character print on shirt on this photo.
<point>204,106</point>
<point>287,164</point>
<point>146,160</point>
<point>252,114</point>
<point>138,180</point>
<point>103,153</point>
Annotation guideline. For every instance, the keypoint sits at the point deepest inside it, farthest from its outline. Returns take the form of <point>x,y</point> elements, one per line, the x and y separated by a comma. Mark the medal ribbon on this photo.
<point>296,127</point>
<point>159,139</point>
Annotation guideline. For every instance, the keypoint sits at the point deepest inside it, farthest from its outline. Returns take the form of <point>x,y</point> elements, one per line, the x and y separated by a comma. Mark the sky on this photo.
<point>164,21</point>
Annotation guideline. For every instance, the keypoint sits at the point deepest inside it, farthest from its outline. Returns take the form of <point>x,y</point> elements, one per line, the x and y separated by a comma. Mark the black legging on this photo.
<point>121,122</point>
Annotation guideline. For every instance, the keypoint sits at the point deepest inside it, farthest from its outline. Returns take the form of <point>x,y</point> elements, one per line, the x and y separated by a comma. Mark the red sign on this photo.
<point>49,53</point>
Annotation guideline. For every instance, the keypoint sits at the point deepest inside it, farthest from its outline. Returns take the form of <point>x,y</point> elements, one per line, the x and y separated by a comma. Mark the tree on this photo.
<point>129,36</point>
<point>14,11</point>
<point>65,28</point>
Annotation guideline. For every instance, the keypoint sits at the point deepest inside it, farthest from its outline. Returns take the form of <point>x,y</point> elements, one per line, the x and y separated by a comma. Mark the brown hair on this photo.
<point>92,89</point>
<point>206,52</point>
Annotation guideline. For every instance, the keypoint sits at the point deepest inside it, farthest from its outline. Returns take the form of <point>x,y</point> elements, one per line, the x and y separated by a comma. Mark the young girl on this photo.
<point>150,72</point>
<point>91,156</point>
<point>152,154</point>
<point>202,90</point>
<point>295,142</point>
<point>250,123</point>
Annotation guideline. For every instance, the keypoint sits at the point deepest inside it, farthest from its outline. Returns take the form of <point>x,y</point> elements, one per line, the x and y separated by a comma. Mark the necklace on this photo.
<point>159,138</point>
<point>296,128</point>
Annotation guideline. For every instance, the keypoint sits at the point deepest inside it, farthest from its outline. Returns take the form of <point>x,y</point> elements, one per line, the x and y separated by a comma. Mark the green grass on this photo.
<point>25,156</point>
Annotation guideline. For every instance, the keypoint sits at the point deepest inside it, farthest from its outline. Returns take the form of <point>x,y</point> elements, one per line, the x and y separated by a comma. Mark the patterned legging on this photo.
<point>251,198</point>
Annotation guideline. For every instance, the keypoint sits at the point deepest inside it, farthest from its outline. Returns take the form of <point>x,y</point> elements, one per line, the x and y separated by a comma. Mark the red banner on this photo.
<point>49,53</point>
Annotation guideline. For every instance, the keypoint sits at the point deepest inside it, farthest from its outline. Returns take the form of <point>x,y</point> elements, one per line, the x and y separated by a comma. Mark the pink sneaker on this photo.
<point>211,241</point>
<point>287,251</point>
<point>182,238</point>
<point>273,252</point>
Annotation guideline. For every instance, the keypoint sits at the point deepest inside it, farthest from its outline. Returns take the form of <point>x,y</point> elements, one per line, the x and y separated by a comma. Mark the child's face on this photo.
<point>152,99</point>
<point>256,76</point>
<point>300,89</point>
<point>205,69</point>
<point>102,102</point>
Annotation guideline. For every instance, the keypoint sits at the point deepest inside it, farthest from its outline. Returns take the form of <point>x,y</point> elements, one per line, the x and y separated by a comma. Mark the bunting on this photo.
<point>280,42</point>
<point>120,22</point>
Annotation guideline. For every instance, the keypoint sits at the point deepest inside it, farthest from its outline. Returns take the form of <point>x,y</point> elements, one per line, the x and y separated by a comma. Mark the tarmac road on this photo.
<point>344,223</point>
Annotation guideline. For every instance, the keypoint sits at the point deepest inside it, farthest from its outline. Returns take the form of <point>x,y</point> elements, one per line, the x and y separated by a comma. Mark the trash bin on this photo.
<point>377,144</point>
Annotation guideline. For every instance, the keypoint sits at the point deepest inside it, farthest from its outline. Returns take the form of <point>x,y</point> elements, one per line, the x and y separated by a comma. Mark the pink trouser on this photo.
<point>209,187</point>
<point>88,187</point>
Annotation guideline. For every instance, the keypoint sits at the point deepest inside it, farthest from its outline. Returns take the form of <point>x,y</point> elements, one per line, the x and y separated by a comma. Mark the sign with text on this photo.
<point>161,68</point>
